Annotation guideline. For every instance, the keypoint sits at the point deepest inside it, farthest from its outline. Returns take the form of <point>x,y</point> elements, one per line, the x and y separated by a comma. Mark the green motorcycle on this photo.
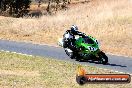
<point>88,50</point>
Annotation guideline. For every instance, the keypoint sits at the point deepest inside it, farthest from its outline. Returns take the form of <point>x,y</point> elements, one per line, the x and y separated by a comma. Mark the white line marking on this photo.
<point>16,53</point>
<point>32,56</point>
<point>114,71</point>
<point>89,65</point>
<point>57,46</point>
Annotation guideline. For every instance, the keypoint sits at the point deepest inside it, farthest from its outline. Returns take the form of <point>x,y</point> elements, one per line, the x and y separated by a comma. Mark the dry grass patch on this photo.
<point>19,71</point>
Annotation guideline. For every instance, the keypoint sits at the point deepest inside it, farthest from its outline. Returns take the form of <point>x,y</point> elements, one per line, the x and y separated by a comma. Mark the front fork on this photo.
<point>97,53</point>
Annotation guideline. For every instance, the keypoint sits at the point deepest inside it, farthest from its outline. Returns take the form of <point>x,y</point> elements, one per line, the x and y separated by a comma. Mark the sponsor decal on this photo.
<point>82,77</point>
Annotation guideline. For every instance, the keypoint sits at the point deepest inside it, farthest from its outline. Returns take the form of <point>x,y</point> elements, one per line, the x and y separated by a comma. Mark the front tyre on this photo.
<point>103,58</point>
<point>69,53</point>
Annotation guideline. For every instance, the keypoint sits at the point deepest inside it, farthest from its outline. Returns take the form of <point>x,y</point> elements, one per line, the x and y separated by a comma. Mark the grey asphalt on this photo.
<point>117,63</point>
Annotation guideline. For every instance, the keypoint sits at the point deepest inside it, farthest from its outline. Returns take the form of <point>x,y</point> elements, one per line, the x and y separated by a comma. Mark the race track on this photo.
<point>117,63</point>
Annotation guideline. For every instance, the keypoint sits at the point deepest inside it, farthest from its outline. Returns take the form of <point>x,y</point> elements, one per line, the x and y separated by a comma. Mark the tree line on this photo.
<point>14,7</point>
<point>18,8</point>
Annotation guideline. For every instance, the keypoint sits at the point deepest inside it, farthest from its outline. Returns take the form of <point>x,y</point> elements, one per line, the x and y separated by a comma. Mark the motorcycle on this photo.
<point>89,50</point>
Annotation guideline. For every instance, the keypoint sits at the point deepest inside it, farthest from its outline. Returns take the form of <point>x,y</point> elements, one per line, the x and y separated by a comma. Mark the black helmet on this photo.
<point>74,28</point>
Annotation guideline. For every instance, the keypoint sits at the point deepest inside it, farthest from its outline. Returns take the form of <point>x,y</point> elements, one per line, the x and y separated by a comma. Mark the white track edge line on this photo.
<point>16,53</point>
<point>113,70</point>
<point>89,65</point>
<point>59,46</point>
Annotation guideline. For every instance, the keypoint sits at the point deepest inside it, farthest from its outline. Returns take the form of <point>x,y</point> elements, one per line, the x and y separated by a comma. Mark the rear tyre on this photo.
<point>103,58</point>
<point>78,59</point>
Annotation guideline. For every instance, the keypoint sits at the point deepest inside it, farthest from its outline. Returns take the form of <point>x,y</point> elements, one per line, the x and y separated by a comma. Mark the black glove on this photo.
<point>82,48</point>
<point>83,36</point>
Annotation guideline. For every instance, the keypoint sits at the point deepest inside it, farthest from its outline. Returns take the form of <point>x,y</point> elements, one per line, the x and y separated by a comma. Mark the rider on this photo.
<point>69,38</point>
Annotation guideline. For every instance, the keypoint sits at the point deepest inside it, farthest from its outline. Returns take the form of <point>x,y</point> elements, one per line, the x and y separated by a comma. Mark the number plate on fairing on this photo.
<point>92,48</point>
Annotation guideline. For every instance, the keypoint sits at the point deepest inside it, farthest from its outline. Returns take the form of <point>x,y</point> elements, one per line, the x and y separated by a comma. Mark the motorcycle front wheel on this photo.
<point>70,54</point>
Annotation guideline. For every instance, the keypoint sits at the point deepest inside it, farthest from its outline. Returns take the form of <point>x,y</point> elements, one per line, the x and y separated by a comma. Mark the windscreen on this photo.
<point>88,40</point>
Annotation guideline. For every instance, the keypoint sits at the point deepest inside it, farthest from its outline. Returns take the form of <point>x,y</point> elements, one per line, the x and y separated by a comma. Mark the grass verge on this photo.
<point>19,71</point>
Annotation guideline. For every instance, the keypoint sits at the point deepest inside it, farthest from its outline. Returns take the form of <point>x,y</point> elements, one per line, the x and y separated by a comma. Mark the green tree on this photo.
<point>15,7</point>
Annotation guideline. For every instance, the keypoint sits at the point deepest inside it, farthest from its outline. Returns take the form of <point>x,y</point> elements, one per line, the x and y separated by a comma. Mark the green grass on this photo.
<point>19,71</point>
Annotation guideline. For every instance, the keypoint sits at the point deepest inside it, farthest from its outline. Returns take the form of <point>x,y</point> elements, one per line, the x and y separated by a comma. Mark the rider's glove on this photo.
<point>83,36</point>
<point>81,48</point>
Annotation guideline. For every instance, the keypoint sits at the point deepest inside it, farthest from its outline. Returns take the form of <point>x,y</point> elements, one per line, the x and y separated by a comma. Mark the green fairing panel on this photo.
<point>80,42</point>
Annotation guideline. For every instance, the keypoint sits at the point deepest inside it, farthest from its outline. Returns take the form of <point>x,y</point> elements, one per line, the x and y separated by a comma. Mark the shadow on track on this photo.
<point>116,65</point>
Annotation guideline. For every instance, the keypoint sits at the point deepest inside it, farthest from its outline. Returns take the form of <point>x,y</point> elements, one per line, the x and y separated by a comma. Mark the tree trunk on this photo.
<point>48,7</point>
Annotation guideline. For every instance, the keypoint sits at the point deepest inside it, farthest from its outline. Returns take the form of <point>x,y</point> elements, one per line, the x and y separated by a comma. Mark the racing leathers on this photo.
<point>69,39</point>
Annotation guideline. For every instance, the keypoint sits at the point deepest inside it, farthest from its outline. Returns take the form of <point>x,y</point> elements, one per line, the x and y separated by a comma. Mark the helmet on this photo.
<point>74,28</point>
